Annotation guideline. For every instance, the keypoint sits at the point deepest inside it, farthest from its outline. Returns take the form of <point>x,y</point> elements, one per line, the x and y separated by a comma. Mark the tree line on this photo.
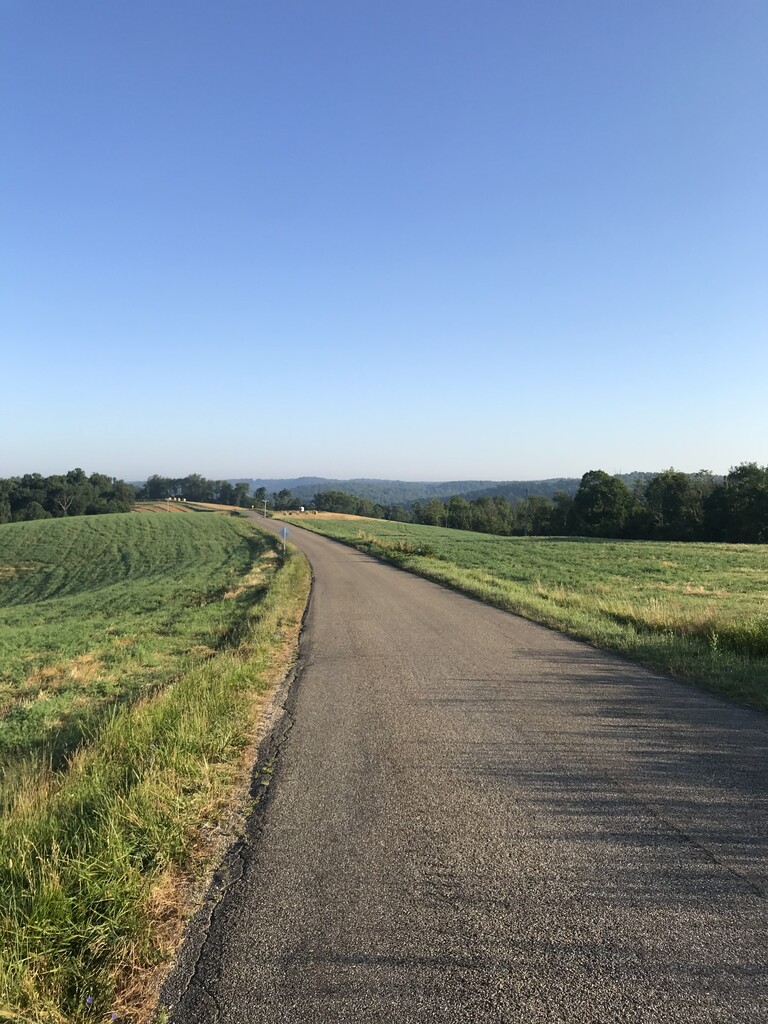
<point>669,506</point>
<point>196,488</point>
<point>33,496</point>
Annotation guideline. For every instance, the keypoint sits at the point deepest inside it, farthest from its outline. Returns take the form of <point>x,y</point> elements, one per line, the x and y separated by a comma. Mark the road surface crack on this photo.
<point>686,837</point>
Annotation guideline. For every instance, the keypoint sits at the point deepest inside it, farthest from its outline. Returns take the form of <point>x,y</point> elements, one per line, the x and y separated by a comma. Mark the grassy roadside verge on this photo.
<point>696,611</point>
<point>95,860</point>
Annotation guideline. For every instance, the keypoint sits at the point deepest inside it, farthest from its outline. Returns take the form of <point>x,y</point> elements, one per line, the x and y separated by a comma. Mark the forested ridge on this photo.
<point>667,506</point>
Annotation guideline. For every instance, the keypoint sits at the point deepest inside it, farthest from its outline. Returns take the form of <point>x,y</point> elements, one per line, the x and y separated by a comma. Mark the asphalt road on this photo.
<point>472,818</point>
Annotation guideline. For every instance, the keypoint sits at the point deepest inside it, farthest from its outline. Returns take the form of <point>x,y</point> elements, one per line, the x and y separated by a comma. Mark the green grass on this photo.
<point>189,620</point>
<point>698,611</point>
<point>96,610</point>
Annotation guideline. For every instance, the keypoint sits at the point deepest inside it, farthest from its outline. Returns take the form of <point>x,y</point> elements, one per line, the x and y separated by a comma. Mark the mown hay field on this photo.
<point>698,611</point>
<point>99,609</point>
<point>135,652</point>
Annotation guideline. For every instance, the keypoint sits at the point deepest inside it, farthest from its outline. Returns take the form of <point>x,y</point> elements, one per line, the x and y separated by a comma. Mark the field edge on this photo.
<point>189,752</point>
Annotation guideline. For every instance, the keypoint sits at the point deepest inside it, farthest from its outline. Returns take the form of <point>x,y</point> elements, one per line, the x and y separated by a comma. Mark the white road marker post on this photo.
<point>284,534</point>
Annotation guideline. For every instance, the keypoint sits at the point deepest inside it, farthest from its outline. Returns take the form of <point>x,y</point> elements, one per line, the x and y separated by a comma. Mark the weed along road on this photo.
<point>472,818</point>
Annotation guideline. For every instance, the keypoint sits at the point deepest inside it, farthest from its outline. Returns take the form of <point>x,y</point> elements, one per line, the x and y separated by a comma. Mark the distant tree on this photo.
<point>505,515</point>
<point>6,488</point>
<point>485,516</point>
<point>157,487</point>
<point>76,477</point>
<point>536,511</point>
<point>225,493</point>
<point>365,508</point>
<point>561,513</point>
<point>32,510</point>
<point>400,514</point>
<point>602,505</point>
<point>97,494</point>
<point>197,488</point>
<point>124,495</point>
<point>284,500</point>
<point>336,501</point>
<point>242,496</point>
<point>745,502</point>
<point>673,506</point>
<point>65,500</point>
<point>433,513</point>
<point>458,513</point>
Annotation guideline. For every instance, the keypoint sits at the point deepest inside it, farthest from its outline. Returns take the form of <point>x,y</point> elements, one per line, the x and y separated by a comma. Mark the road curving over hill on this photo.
<point>475,819</point>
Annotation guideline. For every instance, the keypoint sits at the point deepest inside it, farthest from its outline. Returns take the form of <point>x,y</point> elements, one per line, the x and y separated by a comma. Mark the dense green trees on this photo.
<point>458,513</point>
<point>349,504</point>
<point>668,506</point>
<point>283,500</point>
<point>743,515</point>
<point>674,505</point>
<point>197,488</point>
<point>602,506</point>
<point>33,496</point>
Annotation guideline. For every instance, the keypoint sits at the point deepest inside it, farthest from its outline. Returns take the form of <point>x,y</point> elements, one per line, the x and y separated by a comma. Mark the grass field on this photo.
<point>135,651</point>
<point>99,609</point>
<point>699,611</point>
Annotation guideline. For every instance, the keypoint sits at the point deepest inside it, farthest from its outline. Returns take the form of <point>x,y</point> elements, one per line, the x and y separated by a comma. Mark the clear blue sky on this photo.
<point>432,240</point>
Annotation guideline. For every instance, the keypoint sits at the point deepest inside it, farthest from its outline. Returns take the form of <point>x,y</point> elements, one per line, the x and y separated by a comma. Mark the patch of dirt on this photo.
<point>50,678</point>
<point>202,652</point>
<point>254,577</point>
<point>689,588</point>
<point>85,668</point>
<point>124,641</point>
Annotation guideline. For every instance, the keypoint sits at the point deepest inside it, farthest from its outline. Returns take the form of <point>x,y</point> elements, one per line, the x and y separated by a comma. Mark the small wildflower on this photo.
<point>89,1001</point>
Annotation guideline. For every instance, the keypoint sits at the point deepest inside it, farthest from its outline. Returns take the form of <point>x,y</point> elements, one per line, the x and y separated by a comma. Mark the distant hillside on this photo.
<point>395,492</point>
<point>545,488</point>
<point>386,492</point>
<point>513,489</point>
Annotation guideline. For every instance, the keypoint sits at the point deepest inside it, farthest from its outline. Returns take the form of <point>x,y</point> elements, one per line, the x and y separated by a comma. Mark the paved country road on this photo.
<point>473,818</point>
